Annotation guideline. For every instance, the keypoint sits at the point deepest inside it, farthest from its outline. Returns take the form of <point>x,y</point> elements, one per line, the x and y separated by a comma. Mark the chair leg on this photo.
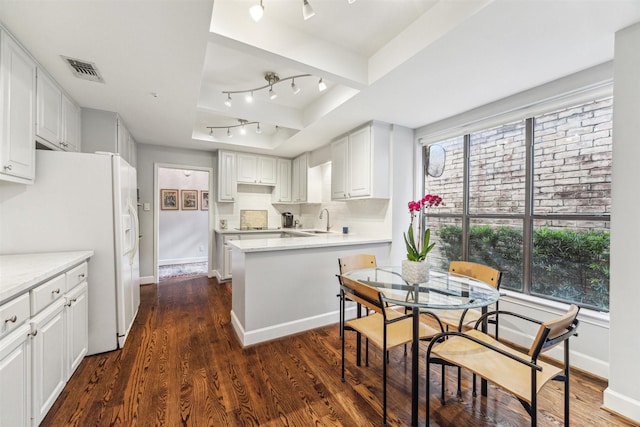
<point>442,400</point>
<point>459,382</point>
<point>384,391</point>
<point>427,386</point>
<point>342,375</point>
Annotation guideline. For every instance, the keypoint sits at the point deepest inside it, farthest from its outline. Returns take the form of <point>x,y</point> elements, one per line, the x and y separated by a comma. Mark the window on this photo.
<point>533,199</point>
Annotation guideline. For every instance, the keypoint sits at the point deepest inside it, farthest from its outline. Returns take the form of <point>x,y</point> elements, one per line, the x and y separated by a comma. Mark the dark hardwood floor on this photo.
<point>182,365</point>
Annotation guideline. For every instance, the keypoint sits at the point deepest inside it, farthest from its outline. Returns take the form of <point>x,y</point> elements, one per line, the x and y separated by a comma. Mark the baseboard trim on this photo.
<point>620,404</point>
<point>283,329</point>
<point>146,280</point>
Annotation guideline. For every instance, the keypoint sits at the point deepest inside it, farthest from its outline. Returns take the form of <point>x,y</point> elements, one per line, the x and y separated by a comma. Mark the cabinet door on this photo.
<point>77,325</point>
<point>71,125</point>
<point>15,378</point>
<point>247,169</point>
<point>282,192</point>
<point>226,176</point>
<point>359,163</point>
<point>18,95</point>
<point>49,109</point>
<point>48,358</point>
<point>339,156</point>
<point>267,170</point>
<point>299,179</point>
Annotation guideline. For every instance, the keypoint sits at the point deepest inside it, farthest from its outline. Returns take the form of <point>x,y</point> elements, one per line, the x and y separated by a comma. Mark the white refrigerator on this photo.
<point>82,201</point>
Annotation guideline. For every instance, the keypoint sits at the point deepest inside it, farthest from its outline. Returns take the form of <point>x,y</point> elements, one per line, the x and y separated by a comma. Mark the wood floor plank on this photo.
<point>182,365</point>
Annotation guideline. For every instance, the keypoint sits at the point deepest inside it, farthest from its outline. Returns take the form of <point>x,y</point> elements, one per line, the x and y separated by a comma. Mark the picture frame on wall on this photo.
<point>189,200</point>
<point>168,199</point>
<point>204,200</point>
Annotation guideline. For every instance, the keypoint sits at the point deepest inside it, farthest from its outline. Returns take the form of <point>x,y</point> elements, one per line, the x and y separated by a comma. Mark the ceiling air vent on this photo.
<point>84,69</point>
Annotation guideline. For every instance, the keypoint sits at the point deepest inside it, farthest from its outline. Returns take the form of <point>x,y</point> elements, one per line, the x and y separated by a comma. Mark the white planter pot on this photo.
<point>415,271</point>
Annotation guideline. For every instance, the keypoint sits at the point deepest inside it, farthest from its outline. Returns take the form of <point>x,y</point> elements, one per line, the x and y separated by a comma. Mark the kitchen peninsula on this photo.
<point>287,285</point>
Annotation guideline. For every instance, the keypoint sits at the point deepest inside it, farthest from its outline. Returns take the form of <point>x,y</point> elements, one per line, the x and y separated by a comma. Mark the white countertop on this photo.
<point>21,272</point>
<point>295,242</point>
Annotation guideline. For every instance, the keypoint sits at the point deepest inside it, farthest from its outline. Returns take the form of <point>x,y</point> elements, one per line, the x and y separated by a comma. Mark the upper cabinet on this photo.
<point>282,191</point>
<point>360,163</point>
<point>57,116</point>
<point>17,111</point>
<point>105,131</point>
<point>226,176</point>
<point>254,169</point>
<point>299,168</point>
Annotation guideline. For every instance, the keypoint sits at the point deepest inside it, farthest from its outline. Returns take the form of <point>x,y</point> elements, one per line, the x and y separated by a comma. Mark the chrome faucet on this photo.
<point>328,223</point>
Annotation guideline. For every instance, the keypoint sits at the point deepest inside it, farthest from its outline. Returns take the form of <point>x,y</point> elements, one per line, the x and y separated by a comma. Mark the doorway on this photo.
<point>182,227</point>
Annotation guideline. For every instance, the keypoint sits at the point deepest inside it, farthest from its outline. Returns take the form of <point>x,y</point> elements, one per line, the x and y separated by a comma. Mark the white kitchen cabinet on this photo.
<point>224,255</point>
<point>282,191</point>
<point>15,377</point>
<point>360,163</point>
<point>71,118</point>
<point>49,109</point>
<point>17,111</point>
<point>253,169</point>
<point>105,131</point>
<point>299,167</point>
<point>77,322</point>
<point>226,176</point>
<point>48,358</point>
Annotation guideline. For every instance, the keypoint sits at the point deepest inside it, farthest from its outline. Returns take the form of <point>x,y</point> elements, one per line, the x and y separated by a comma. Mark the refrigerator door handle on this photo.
<point>134,235</point>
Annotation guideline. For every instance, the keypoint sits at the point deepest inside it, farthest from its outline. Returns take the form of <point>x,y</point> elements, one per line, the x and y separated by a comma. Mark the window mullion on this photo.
<point>527,226</point>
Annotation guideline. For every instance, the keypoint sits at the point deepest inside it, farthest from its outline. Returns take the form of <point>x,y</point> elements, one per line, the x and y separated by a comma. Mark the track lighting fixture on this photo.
<point>307,10</point>
<point>272,80</point>
<point>242,124</point>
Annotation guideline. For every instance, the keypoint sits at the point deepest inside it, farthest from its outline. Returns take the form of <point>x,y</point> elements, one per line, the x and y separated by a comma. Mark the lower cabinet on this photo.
<point>38,354</point>
<point>49,361</point>
<point>15,378</point>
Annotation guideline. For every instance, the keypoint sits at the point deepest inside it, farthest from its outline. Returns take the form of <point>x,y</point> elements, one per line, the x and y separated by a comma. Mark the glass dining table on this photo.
<point>443,290</point>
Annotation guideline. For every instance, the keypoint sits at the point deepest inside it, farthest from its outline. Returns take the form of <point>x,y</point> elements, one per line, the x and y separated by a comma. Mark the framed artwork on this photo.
<point>168,199</point>
<point>204,200</point>
<point>189,200</point>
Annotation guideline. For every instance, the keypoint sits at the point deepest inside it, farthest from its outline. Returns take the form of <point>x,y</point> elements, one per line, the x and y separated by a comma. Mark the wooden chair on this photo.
<point>465,319</point>
<point>518,372</point>
<point>460,320</point>
<point>384,327</point>
<point>347,264</point>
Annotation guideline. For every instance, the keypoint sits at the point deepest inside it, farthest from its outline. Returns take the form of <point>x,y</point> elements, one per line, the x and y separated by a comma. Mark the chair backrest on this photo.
<point>356,262</point>
<point>555,331</point>
<point>361,293</point>
<point>484,273</point>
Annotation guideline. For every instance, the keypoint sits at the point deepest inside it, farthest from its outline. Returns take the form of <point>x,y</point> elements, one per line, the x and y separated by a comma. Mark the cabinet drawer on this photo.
<point>47,293</point>
<point>76,275</point>
<point>13,314</point>
<point>225,239</point>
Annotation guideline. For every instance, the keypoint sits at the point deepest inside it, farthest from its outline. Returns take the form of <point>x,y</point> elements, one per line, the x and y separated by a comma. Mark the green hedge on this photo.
<point>568,265</point>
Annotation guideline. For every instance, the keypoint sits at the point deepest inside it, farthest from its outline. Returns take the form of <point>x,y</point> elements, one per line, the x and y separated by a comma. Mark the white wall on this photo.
<point>182,234</point>
<point>623,393</point>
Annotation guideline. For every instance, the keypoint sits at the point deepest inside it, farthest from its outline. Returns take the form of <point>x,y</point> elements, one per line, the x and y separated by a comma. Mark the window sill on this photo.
<point>599,318</point>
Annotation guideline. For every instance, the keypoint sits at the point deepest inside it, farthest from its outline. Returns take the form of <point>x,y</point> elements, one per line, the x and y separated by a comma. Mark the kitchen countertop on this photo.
<point>306,242</point>
<point>22,272</point>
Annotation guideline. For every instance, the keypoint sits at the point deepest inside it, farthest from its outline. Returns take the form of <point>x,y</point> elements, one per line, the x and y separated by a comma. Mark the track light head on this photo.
<point>249,97</point>
<point>227,101</point>
<point>256,11</point>
<point>294,88</point>
<point>258,130</point>
<point>229,132</point>
<point>307,10</point>
<point>272,94</point>
<point>322,86</point>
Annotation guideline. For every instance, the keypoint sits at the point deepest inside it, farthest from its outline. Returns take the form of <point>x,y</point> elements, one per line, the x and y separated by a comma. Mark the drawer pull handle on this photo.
<point>56,291</point>
<point>81,276</point>
<point>8,167</point>
<point>12,319</point>
<point>33,334</point>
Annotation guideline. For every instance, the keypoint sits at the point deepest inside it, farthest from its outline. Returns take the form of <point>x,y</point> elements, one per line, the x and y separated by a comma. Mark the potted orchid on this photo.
<point>415,269</point>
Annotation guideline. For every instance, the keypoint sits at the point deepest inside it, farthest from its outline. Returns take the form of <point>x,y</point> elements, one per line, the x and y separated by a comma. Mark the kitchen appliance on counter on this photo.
<point>83,201</point>
<point>287,220</point>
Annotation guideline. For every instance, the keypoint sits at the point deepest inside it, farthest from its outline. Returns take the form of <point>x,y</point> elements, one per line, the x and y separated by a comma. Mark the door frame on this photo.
<point>156,215</point>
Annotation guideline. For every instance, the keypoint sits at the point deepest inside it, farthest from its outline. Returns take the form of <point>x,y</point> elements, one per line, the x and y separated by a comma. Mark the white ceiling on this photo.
<point>408,62</point>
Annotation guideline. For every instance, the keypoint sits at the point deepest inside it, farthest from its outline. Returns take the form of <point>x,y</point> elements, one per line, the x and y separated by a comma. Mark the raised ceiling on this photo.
<point>408,62</point>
